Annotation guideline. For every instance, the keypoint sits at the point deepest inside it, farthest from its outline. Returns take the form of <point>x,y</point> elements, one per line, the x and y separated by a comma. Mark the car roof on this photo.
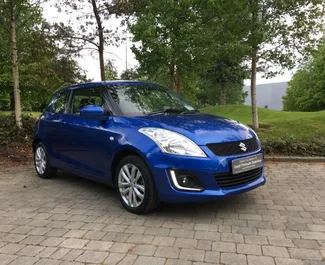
<point>103,83</point>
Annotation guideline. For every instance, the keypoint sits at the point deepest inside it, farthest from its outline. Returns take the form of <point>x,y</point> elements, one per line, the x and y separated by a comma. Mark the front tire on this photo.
<point>135,186</point>
<point>41,162</point>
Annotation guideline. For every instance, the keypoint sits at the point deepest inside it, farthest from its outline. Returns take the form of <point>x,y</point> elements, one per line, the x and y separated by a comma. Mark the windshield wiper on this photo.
<point>164,111</point>
<point>194,111</point>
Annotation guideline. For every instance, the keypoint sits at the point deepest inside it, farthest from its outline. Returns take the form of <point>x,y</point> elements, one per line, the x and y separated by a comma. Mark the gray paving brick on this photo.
<point>94,235</point>
<point>233,259</point>
<point>157,231</point>
<point>274,251</point>
<point>260,260</point>
<point>73,254</point>
<point>21,230</point>
<point>75,233</point>
<point>11,248</point>
<point>192,254</point>
<point>6,259</point>
<point>310,254</point>
<point>186,242</point>
<point>47,252</point>
<point>207,235</point>
<point>92,257</point>
<point>144,250</point>
<point>224,246</point>
<point>281,242</point>
<point>167,252</point>
<point>13,238</point>
<point>60,253</point>
<point>122,247</point>
<point>149,261</point>
<point>182,233</point>
<point>258,240</point>
<point>74,243</point>
<point>114,258</point>
<point>306,243</point>
<point>179,262</point>
<point>99,245</point>
<point>24,261</point>
<point>249,249</point>
<point>212,256</point>
<point>48,262</point>
<point>286,261</point>
<point>31,251</point>
<point>163,241</point>
<point>140,239</point>
<point>33,240</point>
<point>229,237</point>
<point>204,244</point>
<point>52,241</point>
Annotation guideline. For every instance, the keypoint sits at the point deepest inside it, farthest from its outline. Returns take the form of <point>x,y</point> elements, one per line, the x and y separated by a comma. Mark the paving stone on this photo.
<point>11,248</point>
<point>47,252</point>
<point>157,231</point>
<point>74,243</point>
<point>24,261</point>
<point>258,240</point>
<point>99,245</point>
<point>233,259</point>
<point>140,239</point>
<point>167,252</point>
<point>260,260</point>
<point>212,256</point>
<point>52,241</point>
<point>21,230</point>
<point>224,246</point>
<point>94,235</point>
<point>75,233</point>
<point>114,258</point>
<point>182,233</point>
<point>179,262</point>
<point>73,254</point>
<point>6,259</point>
<point>275,251</point>
<point>301,253</point>
<point>207,235</point>
<point>144,250</point>
<point>163,241</point>
<point>229,237</point>
<point>33,240</point>
<point>48,262</point>
<point>122,247</point>
<point>281,242</point>
<point>286,261</point>
<point>192,254</point>
<point>57,232</point>
<point>186,242</point>
<point>306,243</point>
<point>13,238</point>
<point>31,251</point>
<point>92,257</point>
<point>249,249</point>
<point>149,261</point>
<point>204,244</point>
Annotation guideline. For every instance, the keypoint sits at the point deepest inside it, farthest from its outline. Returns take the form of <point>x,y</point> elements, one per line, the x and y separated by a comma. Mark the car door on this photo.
<point>88,145</point>
<point>52,126</point>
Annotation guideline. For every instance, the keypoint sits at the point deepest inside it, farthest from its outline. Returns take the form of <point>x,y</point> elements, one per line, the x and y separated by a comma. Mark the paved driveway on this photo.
<point>68,220</point>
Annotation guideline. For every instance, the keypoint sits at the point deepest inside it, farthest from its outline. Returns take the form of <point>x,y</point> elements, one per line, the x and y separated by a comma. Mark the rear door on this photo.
<point>88,145</point>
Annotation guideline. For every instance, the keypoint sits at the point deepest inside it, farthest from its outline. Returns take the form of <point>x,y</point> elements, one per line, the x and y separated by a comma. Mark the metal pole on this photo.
<point>126,50</point>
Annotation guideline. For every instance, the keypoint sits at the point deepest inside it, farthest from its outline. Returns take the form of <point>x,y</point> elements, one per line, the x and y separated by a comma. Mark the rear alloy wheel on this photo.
<point>41,162</point>
<point>135,185</point>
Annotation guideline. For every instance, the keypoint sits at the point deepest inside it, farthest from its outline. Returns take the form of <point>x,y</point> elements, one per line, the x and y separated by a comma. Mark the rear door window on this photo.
<point>59,103</point>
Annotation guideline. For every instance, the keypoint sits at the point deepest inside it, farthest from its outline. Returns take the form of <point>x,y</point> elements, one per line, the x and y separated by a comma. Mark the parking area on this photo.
<point>69,220</point>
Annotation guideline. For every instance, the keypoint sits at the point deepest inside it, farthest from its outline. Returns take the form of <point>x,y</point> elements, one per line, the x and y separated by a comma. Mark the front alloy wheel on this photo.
<point>135,185</point>
<point>41,162</point>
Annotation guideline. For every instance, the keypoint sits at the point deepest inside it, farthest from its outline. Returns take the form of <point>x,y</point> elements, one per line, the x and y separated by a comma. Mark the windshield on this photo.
<point>145,99</point>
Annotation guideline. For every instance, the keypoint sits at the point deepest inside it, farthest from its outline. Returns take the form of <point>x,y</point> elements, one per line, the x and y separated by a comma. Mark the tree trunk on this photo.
<point>178,81</point>
<point>253,91</point>
<point>171,76</point>
<point>223,93</point>
<point>14,59</point>
<point>101,40</point>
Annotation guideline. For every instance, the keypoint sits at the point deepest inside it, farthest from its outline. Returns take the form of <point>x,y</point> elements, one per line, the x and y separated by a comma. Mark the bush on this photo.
<point>10,133</point>
<point>290,146</point>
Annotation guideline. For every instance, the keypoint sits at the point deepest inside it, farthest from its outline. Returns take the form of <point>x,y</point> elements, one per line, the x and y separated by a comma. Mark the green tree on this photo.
<point>110,70</point>
<point>172,39</point>
<point>130,74</point>
<point>276,31</point>
<point>306,91</point>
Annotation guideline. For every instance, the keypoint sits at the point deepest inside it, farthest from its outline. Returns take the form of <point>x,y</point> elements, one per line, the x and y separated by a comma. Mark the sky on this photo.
<point>123,53</point>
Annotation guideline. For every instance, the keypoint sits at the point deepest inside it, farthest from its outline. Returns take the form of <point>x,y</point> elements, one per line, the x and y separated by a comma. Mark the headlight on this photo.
<point>172,142</point>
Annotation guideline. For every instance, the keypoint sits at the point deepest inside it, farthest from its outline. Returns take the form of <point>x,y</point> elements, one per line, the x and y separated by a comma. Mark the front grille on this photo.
<point>228,180</point>
<point>233,148</point>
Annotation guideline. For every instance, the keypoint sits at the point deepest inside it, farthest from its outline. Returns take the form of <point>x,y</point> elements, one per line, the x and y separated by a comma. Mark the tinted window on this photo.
<point>84,97</point>
<point>58,103</point>
<point>137,100</point>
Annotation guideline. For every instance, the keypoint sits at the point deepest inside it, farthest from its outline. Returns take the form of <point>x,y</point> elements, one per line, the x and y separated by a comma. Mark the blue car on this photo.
<point>146,141</point>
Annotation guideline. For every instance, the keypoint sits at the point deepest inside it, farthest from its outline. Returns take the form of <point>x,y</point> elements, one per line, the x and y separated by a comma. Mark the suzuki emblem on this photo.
<point>243,147</point>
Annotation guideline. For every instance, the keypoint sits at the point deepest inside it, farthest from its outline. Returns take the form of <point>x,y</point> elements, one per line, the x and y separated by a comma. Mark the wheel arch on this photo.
<point>119,155</point>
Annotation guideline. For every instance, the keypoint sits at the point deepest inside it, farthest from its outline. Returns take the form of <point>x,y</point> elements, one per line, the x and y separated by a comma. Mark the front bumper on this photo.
<point>204,169</point>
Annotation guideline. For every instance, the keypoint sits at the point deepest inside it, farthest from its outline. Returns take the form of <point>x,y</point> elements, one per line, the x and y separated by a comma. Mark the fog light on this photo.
<point>183,180</point>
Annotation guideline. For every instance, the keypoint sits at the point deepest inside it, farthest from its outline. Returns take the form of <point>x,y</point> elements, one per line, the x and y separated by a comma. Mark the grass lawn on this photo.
<point>300,125</point>
<point>34,114</point>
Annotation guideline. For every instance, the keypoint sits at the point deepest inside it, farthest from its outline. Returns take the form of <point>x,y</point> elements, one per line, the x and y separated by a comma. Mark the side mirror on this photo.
<point>92,112</point>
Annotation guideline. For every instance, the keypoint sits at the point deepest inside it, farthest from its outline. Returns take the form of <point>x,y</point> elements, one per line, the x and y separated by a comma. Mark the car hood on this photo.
<point>201,128</point>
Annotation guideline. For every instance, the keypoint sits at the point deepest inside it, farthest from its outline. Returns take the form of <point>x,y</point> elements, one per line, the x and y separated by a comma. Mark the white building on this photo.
<point>268,95</point>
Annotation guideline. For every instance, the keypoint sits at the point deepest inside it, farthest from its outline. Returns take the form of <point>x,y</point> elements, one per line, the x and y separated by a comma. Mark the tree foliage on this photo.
<point>306,91</point>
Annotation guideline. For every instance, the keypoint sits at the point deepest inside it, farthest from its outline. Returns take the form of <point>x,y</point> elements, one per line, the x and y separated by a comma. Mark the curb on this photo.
<point>317,159</point>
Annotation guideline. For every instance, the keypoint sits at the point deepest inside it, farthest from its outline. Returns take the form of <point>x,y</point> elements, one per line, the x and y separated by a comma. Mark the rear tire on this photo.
<point>42,164</point>
<point>135,186</point>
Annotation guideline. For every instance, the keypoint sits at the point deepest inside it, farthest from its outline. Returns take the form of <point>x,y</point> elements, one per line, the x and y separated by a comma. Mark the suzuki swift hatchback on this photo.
<point>147,142</point>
